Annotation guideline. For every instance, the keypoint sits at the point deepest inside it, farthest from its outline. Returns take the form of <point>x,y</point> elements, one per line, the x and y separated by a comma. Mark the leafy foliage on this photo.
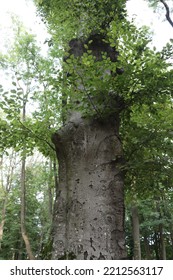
<point>135,87</point>
<point>37,213</point>
<point>27,69</point>
<point>79,18</point>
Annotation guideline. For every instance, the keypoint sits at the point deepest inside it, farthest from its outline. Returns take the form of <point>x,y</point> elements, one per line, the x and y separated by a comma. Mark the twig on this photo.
<point>167,12</point>
<point>89,97</point>
<point>39,138</point>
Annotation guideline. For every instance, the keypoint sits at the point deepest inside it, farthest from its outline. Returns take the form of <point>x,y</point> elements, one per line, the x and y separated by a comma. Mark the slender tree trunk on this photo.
<point>50,196</point>
<point>89,208</point>
<point>162,243</point>
<point>156,245</point>
<point>17,255</point>
<point>3,205</point>
<point>55,173</point>
<point>23,192</point>
<point>2,223</point>
<point>20,250</point>
<point>171,236</point>
<point>162,248</point>
<point>6,187</point>
<point>53,185</point>
<point>23,203</point>
<point>136,233</point>
<point>147,247</point>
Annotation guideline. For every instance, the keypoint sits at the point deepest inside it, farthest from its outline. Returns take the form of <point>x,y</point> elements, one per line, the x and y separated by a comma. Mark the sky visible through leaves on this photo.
<point>26,11</point>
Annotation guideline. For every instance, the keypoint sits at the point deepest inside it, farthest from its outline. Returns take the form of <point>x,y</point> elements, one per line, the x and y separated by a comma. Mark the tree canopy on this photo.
<point>115,72</point>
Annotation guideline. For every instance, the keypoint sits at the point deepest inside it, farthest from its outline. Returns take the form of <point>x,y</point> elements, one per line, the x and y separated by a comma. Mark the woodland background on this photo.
<point>31,111</point>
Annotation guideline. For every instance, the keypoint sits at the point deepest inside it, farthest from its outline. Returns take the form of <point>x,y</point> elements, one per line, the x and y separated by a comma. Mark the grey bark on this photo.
<point>50,189</point>
<point>23,216</point>
<point>136,234</point>
<point>162,243</point>
<point>23,181</point>
<point>89,207</point>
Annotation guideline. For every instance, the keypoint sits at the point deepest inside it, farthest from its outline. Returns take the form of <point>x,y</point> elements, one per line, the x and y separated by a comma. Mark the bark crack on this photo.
<point>91,242</point>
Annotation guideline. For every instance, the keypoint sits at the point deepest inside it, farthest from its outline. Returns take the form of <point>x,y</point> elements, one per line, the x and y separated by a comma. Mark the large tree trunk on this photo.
<point>89,208</point>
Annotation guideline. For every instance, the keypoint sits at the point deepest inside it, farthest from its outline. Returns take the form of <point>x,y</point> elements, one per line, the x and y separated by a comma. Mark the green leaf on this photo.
<point>13,91</point>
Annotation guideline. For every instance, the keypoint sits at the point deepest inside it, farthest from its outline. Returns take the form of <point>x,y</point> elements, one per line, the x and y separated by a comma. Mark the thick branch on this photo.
<point>167,12</point>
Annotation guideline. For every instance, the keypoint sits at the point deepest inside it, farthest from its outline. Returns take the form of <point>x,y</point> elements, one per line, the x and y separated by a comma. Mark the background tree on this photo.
<point>37,218</point>
<point>21,62</point>
<point>7,171</point>
<point>148,151</point>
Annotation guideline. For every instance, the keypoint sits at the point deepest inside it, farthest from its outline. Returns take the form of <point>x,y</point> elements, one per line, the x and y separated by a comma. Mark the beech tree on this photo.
<point>109,97</point>
<point>108,71</point>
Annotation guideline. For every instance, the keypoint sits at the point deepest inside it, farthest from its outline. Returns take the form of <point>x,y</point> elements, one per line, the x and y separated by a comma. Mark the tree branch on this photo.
<point>89,97</point>
<point>39,138</point>
<point>167,12</point>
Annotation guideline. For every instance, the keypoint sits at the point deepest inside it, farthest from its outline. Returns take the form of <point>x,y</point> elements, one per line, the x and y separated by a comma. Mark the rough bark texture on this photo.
<point>89,208</point>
